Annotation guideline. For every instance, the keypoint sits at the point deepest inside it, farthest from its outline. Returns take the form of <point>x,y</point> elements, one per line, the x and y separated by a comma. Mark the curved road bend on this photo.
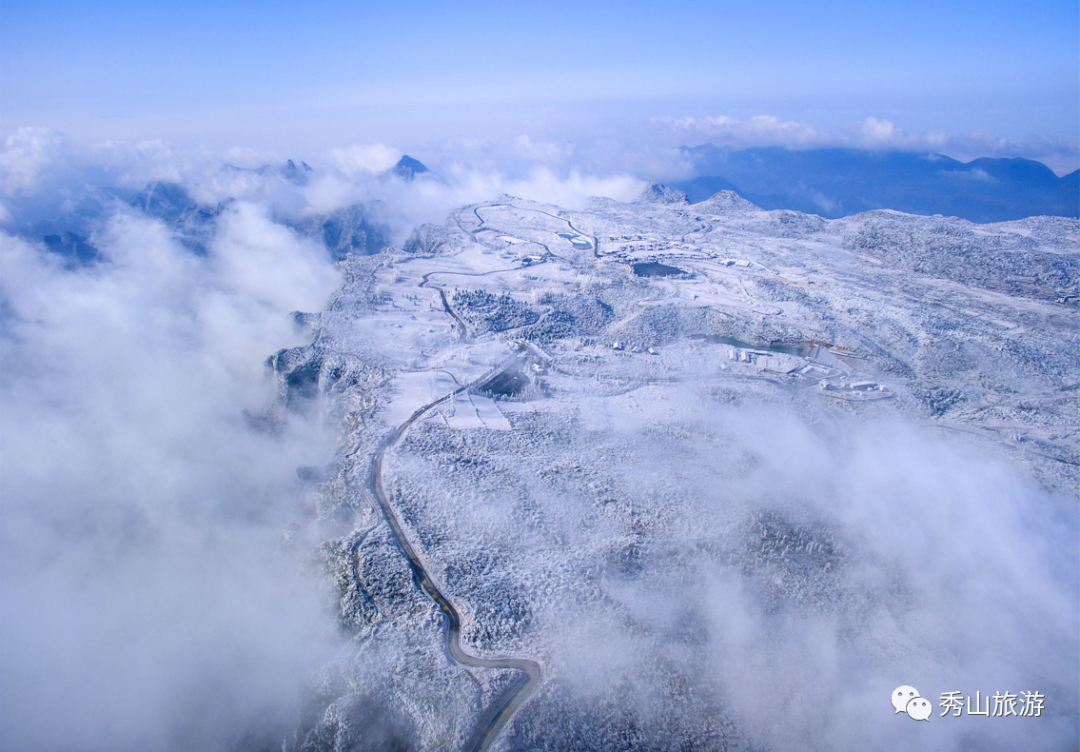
<point>593,238</point>
<point>545,246</point>
<point>595,242</point>
<point>496,717</point>
<point>463,332</point>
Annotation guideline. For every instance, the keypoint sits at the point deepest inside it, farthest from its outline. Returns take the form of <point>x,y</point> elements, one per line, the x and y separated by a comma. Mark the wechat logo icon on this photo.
<point>906,700</point>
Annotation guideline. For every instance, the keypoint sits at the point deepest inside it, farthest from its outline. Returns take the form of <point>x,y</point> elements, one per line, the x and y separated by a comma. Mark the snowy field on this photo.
<point>708,464</point>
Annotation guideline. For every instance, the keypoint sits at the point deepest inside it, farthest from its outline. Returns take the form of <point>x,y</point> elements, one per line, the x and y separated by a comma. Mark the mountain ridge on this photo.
<point>839,182</point>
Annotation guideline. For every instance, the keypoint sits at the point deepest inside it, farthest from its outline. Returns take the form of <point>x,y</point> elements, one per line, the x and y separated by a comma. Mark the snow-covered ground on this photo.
<point>729,498</point>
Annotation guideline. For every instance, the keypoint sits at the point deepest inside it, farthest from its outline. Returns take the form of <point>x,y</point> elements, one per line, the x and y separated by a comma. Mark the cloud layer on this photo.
<point>148,600</point>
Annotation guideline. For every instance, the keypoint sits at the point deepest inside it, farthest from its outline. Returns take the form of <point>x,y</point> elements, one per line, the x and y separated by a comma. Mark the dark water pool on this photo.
<point>778,348</point>
<point>656,269</point>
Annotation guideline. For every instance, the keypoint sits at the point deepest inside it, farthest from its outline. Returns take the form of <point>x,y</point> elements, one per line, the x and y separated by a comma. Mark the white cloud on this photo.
<point>406,204</point>
<point>541,151</point>
<point>759,130</point>
<point>142,514</point>
<point>28,155</point>
<point>358,159</point>
<point>268,264</point>
<point>874,133</point>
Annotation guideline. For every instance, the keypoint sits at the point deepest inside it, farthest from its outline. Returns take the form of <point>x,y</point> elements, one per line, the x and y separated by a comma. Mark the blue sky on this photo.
<point>279,75</point>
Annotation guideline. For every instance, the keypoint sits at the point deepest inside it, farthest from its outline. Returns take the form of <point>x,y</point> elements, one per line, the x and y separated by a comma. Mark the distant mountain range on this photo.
<point>838,182</point>
<point>348,230</point>
<point>354,229</point>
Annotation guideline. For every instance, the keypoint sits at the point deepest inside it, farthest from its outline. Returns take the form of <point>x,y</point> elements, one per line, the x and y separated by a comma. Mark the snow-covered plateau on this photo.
<point>727,476</point>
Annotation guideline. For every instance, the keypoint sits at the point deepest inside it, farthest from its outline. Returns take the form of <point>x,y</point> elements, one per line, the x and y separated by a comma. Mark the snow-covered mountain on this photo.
<point>643,475</point>
<point>725,475</point>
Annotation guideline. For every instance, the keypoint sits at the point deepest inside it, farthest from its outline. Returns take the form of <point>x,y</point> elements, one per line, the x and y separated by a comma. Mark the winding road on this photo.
<point>463,331</point>
<point>495,718</point>
<point>595,240</point>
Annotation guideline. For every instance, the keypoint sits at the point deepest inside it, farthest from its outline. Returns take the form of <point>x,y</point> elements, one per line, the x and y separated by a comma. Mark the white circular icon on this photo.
<point>920,708</point>
<point>901,696</point>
